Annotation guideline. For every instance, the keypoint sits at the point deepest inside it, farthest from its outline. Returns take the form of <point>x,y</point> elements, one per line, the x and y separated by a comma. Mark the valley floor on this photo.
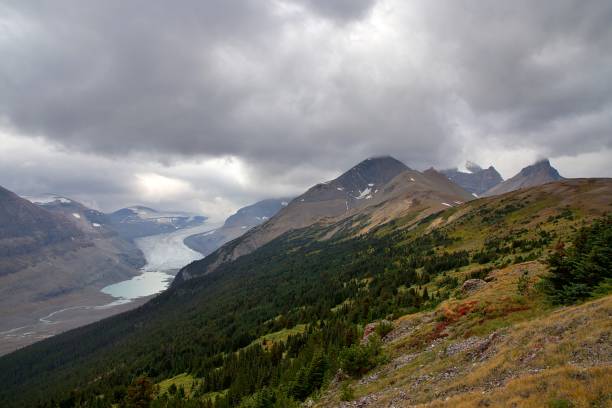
<point>36,321</point>
<point>27,322</point>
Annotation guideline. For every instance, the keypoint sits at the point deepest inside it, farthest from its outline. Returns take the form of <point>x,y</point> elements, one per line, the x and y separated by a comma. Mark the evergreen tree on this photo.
<point>576,272</point>
<point>316,371</point>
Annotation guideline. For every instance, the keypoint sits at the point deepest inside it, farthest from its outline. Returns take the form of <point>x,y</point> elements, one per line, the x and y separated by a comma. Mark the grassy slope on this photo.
<point>496,346</point>
<point>182,380</point>
<point>513,347</point>
<point>279,336</point>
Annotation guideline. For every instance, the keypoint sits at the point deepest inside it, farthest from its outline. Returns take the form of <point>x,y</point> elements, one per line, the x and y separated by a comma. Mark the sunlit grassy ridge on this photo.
<point>512,348</point>
<point>505,340</point>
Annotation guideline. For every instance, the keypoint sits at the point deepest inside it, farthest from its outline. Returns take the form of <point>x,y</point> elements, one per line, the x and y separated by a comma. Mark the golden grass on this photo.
<point>540,355</point>
<point>574,387</point>
<point>280,336</point>
<point>182,380</point>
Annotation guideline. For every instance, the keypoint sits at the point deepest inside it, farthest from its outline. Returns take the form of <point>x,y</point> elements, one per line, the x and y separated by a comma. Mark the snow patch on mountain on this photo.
<point>364,194</point>
<point>47,199</point>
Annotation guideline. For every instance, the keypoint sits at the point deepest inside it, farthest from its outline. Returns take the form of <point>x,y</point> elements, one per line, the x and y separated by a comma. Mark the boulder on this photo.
<point>472,285</point>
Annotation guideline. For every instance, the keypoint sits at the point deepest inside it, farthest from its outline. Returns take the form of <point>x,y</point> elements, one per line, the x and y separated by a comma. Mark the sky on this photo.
<point>207,106</point>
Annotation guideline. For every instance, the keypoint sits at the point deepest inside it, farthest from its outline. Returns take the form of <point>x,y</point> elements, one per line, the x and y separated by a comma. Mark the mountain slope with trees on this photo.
<point>274,326</point>
<point>371,193</point>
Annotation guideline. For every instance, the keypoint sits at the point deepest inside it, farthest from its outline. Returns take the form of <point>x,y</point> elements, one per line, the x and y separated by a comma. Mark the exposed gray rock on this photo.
<point>472,285</point>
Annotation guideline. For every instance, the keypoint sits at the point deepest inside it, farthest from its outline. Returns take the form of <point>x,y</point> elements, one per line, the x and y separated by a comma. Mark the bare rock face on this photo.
<point>536,174</point>
<point>472,285</point>
<point>476,180</point>
<point>26,228</point>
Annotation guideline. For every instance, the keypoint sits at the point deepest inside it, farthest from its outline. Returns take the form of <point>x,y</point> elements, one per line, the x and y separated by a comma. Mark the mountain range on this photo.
<point>139,221</point>
<point>282,315</point>
<point>379,189</point>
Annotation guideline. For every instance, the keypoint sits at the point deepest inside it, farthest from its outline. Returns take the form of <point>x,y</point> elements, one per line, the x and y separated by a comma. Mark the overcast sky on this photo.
<point>209,105</point>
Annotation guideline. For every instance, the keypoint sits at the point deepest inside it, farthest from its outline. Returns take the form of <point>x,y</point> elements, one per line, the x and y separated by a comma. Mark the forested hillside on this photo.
<point>273,327</point>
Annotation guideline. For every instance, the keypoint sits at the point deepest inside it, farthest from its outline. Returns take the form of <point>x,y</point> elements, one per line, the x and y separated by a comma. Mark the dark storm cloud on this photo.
<point>534,69</point>
<point>209,78</point>
<point>299,89</point>
<point>343,10</point>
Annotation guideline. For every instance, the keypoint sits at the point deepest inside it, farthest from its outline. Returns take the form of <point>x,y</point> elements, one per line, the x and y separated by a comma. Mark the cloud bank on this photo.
<point>293,91</point>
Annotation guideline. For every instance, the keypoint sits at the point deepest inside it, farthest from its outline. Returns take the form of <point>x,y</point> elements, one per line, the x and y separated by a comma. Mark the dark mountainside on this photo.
<point>477,180</point>
<point>26,228</point>
<point>380,188</point>
<point>237,224</point>
<point>55,255</point>
<point>85,218</point>
<point>536,174</point>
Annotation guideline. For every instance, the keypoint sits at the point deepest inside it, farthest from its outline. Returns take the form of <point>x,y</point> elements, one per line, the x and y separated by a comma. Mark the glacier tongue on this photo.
<point>165,252</point>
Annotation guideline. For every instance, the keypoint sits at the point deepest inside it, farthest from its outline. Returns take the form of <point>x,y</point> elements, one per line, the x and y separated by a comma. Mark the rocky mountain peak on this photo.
<point>536,174</point>
<point>375,170</point>
<point>476,180</point>
<point>542,166</point>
